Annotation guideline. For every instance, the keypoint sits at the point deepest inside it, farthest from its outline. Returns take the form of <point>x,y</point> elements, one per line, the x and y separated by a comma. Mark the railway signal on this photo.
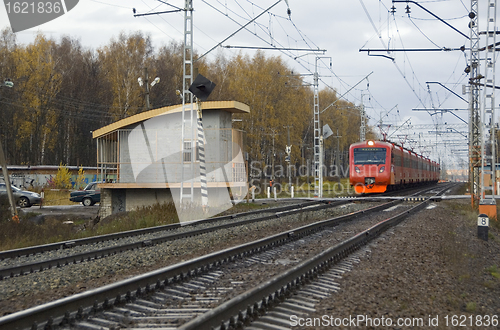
<point>201,88</point>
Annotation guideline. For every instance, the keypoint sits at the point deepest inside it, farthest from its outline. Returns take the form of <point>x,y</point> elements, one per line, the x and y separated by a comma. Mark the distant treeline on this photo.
<point>63,91</point>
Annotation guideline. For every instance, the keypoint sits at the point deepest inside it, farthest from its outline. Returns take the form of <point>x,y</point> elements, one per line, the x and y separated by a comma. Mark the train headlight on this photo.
<point>382,169</point>
<point>357,169</point>
<point>371,143</point>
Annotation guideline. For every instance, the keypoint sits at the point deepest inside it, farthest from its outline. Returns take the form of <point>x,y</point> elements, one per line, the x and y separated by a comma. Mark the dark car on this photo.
<point>88,196</point>
<point>23,198</point>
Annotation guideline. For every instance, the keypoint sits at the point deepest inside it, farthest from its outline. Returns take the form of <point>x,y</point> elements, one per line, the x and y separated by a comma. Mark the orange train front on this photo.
<point>376,166</point>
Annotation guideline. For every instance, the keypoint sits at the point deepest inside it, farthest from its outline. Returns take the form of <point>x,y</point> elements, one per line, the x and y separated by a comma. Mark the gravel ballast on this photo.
<point>29,290</point>
<point>431,265</point>
<point>431,268</point>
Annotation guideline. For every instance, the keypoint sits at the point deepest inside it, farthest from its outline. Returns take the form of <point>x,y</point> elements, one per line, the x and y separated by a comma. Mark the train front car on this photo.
<point>370,166</point>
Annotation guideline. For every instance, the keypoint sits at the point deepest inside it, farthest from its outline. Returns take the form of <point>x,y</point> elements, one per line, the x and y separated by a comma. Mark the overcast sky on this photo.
<point>397,85</point>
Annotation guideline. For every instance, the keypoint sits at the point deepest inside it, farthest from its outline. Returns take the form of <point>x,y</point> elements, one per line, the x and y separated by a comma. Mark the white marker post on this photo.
<point>483,223</point>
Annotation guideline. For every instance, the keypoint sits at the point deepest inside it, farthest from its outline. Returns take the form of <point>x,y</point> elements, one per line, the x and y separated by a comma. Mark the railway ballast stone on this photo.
<point>431,265</point>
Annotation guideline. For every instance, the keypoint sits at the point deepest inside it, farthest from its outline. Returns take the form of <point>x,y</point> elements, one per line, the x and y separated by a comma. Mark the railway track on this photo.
<point>32,259</point>
<point>36,259</point>
<point>108,306</point>
<point>296,291</point>
<point>32,250</point>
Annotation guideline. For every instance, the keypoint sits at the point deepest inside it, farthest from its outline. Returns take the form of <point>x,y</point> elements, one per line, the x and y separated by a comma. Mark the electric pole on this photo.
<point>273,154</point>
<point>337,154</point>
<point>487,203</point>
<point>318,139</point>
<point>362,127</point>
<point>474,116</point>
<point>3,163</point>
<point>288,151</point>
<point>146,82</point>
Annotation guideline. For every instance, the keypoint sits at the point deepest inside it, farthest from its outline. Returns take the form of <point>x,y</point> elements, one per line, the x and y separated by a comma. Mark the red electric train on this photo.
<point>377,166</point>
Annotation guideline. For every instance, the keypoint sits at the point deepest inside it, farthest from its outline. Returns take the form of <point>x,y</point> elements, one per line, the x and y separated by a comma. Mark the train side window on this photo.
<point>406,162</point>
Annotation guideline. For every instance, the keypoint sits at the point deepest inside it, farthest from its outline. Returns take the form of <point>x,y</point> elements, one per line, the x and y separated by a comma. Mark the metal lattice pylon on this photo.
<point>188,124</point>
<point>474,111</point>
<point>488,162</point>
<point>318,191</point>
<point>362,126</point>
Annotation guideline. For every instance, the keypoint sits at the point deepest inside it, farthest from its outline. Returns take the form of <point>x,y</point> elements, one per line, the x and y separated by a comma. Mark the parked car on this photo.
<point>23,198</point>
<point>88,196</point>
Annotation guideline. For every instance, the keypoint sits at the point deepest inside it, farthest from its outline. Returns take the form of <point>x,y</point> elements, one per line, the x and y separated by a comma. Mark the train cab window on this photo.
<point>369,156</point>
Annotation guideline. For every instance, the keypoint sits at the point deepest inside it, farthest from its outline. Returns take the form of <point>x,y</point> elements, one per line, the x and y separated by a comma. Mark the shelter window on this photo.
<point>187,151</point>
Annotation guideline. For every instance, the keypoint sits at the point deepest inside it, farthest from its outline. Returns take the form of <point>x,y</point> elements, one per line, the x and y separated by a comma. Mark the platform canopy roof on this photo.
<point>229,106</point>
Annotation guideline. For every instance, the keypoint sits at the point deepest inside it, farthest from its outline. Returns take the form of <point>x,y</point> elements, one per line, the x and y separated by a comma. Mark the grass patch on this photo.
<point>470,307</point>
<point>28,233</point>
<point>495,223</point>
<point>464,210</point>
<point>246,207</point>
<point>56,197</point>
<point>4,209</point>
<point>463,277</point>
<point>494,271</point>
<point>462,189</point>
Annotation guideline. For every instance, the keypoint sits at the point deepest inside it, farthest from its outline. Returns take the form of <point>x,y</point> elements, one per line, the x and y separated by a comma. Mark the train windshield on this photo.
<point>369,156</point>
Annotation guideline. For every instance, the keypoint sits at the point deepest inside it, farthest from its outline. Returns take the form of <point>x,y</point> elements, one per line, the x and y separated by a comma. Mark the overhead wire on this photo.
<point>409,63</point>
<point>110,4</point>
<point>419,85</point>
<point>422,32</point>
<point>274,43</point>
<point>80,116</point>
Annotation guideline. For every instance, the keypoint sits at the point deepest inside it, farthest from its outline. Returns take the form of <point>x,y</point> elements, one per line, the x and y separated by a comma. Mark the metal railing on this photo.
<point>155,156</point>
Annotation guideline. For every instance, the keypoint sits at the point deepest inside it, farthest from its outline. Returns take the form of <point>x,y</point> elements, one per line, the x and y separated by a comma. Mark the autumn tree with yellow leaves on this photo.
<point>38,83</point>
<point>63,91</point>
<point>122,63</point>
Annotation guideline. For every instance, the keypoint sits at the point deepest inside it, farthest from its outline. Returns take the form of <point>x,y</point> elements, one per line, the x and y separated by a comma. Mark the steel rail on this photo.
<point>32,250</point>
<point>247,306</point>
<point>74,307</point>
<point>32,267</point>
<point>27,251</point>
<point>79,306</point>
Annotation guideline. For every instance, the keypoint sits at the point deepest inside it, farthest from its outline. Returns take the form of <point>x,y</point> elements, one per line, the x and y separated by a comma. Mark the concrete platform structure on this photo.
<point>141,161</point>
